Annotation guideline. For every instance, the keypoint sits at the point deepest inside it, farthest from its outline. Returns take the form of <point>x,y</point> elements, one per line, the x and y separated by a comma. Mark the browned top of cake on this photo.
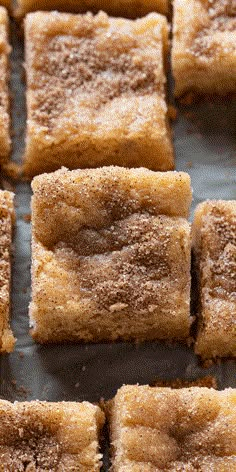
<point>93,59</point>
<point>97,198</point>
<point>130,264</point>
<point>174,430</point>
<point>215,241</point>
<point>46,436</point>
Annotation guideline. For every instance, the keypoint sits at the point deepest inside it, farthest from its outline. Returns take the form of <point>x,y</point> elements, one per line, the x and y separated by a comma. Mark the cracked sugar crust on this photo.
<point>123,8</point>
<point>97,58</point>
<point>118,192</point>
<point>114,258</point>
<point>162,429</point>
<point>136,274</point>
<point>214,240</point>
<point>98,61</point>
<point>6,221</point>
<point>204,46</point>
<point>92,67</point>
<point>4,92</point>
<point>82,70</point>
<point>41,436</point>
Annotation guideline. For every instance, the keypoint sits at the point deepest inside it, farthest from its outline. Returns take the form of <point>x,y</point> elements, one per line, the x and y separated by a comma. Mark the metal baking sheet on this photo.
<point>205,145</point>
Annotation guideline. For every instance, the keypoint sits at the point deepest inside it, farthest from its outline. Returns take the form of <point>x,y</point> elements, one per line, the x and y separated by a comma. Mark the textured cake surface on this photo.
<point>161,429</point>
<point>4,93</point>
<point>6,222</point>
<point>96,92</point>
<point>125,8</point>
<point>214,240</point>
<point>204,46</point>
<point>111,255</point>
<point>41,436</point>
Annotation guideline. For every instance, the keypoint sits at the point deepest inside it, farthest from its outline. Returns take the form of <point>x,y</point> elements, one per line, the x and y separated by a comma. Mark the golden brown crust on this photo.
<point>5,142</point>
<point>6,222</point>
<point>204,51</point>
<point>82,70</point>
<point>155,429</point>
<point>123,8</point>
<point>214,243</point>
<point>110,248</point>
<point>50,436</point>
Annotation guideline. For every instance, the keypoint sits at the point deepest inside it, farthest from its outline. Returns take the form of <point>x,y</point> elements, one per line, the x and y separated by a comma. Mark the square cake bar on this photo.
<point>204,46</point>
<point>5,141</point>
<point>111,255</point>
<point>96,92</point>
<point>214,244</point>
<point>50,436</point>
<point>162,429</point>
<point>6,223</point>
<point>125,8</point>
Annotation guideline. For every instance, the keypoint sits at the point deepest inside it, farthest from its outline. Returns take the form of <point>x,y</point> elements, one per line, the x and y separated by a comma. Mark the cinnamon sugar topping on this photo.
<point>98,63</point>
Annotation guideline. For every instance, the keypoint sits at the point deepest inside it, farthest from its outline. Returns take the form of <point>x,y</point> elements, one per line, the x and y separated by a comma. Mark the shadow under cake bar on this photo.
<point>5,141</point>
<point>50,436</point>
<point>6,222</point>
<point>214,244</point>
<point>204,46</point>
<point>126,8</point>
<point>110,255</point>
<point>96,92</point>
<point>189,429</point>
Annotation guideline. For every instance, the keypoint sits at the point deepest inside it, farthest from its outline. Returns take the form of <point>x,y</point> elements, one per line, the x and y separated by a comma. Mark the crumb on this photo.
<point>23,391</point>
<point>172,112</point>
<point>21,355</point>
<point>207,363</point>
<point>187,99</point>
<point>27,217</point>
<point>103,404</point>
<point>189,164</point>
